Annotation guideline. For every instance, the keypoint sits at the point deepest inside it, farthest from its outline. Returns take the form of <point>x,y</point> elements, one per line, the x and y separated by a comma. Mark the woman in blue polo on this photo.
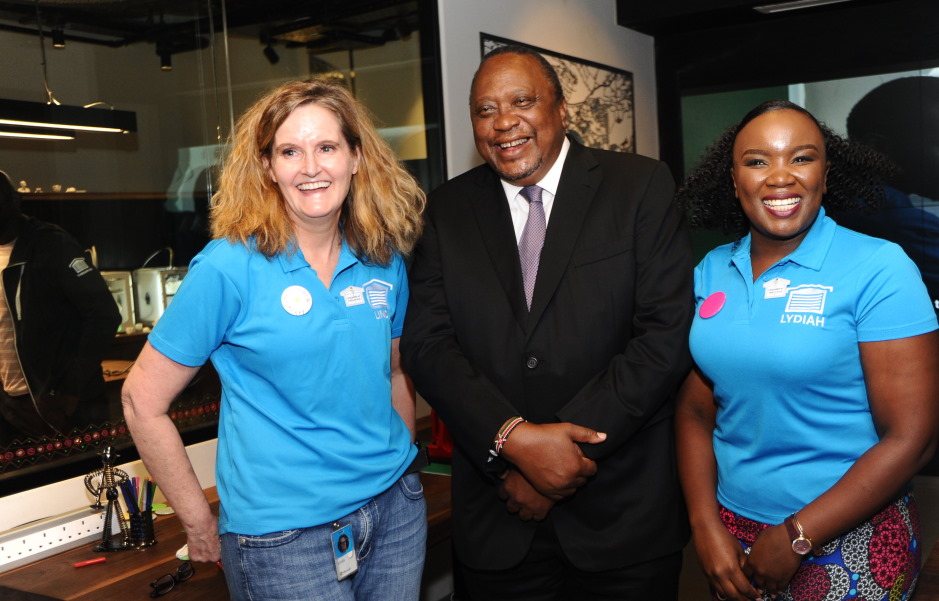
<point>299,302</point>
<point>813,400</point>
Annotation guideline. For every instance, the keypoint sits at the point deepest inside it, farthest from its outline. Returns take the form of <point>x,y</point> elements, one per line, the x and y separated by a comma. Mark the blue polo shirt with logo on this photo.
<point>307,431</point>
<point>793,413</point>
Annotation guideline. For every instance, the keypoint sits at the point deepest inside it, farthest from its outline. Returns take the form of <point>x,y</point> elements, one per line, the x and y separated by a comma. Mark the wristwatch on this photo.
<point>800,543</point>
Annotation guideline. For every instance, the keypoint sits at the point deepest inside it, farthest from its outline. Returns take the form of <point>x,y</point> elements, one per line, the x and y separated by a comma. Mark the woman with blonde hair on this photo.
<point>299,302</point>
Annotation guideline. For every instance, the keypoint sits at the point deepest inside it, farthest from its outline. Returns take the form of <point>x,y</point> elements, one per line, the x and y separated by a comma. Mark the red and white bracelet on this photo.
<point>503,434</point>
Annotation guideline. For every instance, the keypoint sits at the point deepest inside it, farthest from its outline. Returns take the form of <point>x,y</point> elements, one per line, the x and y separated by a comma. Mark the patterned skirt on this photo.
<point>877,561</point>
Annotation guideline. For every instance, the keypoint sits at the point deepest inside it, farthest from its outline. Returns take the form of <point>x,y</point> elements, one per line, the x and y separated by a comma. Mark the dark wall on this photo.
<point>732,49</point>
<point>844,40</point>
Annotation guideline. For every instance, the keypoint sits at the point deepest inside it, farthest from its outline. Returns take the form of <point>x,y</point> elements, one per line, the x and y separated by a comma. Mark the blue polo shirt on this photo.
<point>793,413</point>
<point>307,431</point>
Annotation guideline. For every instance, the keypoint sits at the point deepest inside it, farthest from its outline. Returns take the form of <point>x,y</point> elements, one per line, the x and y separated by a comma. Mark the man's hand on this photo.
<point>549,457</point>
<point>522,498</point>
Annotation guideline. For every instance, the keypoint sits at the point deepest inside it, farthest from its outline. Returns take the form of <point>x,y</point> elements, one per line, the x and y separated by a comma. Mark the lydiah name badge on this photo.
<point>776,288</point>
<point>344,551</point>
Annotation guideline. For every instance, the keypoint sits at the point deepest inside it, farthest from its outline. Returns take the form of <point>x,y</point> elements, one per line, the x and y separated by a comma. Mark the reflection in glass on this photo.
<point>57,319</point>
<point>896,114</point>
<point>131,194</point>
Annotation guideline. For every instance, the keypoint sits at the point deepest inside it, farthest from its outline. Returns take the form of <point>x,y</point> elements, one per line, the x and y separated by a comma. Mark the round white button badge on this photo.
<point>296,300</point>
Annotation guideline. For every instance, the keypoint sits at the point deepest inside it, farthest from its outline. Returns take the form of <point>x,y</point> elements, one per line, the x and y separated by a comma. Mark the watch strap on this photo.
<point>801,544</point>
<point>791,528</point>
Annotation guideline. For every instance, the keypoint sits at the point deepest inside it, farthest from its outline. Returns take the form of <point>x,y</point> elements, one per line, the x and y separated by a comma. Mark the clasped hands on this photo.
<point>547,465</point>
<point>737,576</point>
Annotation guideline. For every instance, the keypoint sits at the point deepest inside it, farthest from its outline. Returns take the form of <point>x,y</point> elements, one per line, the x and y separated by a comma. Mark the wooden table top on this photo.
<point>928,587</point>
<point>437,496</point>
<point>126,575</point>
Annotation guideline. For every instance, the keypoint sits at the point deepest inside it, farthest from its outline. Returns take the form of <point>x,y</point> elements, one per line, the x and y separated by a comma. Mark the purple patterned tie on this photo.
<point>529,246</point>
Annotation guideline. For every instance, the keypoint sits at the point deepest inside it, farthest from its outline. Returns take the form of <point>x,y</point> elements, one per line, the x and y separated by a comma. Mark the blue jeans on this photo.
<point>390,534</point>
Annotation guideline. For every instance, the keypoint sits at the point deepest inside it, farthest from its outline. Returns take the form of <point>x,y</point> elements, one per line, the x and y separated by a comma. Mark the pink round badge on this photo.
<point>712,305</point>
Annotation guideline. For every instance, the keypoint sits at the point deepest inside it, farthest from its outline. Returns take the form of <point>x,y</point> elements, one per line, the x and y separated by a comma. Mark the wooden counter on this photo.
<point>126,575</point>
<point>437,495</point>
<point>116,370</point>
<point>928,587</point>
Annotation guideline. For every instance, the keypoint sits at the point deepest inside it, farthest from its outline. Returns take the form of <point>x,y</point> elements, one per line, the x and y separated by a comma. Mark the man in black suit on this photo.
<point>581,499</point>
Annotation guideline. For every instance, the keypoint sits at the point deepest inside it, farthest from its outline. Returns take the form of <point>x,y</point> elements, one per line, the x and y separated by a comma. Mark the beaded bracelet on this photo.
<point>504,432</point>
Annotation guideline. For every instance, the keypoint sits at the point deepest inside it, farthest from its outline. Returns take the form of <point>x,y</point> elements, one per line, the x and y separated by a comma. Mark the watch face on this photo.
<point>802,546</point>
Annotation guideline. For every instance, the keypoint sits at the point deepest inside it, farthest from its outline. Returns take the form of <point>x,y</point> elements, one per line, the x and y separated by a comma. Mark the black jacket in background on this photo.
<point>64,317</point>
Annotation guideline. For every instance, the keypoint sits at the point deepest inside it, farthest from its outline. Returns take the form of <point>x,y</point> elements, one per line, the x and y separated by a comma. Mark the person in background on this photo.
<point>900,118</point>
<point>299,302</point>
<point>557,388</point>
<point>57,320</point>
<point>813,400</point>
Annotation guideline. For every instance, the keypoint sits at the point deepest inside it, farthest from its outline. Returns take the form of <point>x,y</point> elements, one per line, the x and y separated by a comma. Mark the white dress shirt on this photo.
<point>518,204</point>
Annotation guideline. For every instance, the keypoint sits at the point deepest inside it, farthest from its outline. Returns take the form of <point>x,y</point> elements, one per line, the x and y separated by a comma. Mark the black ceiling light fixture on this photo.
<point>170,43</point>
<point>779,7</point>
<point>271,55</point>
<point>25,114</point>
<point>36,133</point>
<point>54,121</point>
<point>164,47</point>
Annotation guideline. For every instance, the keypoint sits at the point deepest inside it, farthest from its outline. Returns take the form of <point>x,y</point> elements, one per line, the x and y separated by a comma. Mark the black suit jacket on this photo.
<point>604,346</point>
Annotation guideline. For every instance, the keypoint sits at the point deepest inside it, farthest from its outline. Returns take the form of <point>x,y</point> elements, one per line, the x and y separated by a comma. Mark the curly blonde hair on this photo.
<point>381,215</point>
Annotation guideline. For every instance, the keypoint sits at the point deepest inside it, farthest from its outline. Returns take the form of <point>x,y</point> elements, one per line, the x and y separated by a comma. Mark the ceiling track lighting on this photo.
<point>166,61</point>
<point>271,55</point>
<point>58,38</point>
<point>53,120</point>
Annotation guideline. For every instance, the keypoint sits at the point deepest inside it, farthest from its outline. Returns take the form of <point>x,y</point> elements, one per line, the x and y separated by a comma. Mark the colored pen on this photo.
<point>148,497</point>
<point>126,490</point>
<point>89,562</point>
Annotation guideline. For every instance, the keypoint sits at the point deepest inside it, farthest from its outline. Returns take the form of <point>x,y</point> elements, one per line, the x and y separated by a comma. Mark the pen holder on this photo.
<point>141,529</point>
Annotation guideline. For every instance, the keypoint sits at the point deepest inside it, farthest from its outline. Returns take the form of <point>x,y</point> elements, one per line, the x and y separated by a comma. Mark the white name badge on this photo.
<point>353,295</point>
<point>775,288</point>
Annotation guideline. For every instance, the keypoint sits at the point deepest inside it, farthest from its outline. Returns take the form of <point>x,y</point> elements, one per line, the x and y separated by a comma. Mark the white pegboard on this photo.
<point>50,536</point>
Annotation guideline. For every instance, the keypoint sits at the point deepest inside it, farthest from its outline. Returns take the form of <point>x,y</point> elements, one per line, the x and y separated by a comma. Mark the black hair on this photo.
<point>855,178</point>
<point>546,67</point>
<point>8,192</point>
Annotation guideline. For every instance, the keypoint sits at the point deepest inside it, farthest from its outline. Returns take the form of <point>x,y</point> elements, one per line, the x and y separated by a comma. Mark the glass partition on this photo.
<point>896,113</point>
<point>139,201</point>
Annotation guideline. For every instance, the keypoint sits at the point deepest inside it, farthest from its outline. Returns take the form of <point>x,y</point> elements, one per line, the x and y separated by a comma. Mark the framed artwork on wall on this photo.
<point>599,98</point>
